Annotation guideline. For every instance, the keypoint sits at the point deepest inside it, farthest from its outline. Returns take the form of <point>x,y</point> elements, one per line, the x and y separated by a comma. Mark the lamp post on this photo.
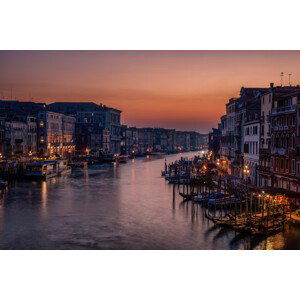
<point>247,173</point>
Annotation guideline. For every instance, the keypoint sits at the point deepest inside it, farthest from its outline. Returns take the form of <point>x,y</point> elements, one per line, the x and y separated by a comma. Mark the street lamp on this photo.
<point>246,172</point>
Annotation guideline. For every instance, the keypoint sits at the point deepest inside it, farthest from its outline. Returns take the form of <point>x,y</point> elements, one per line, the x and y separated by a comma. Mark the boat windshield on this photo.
<point>36,168</point>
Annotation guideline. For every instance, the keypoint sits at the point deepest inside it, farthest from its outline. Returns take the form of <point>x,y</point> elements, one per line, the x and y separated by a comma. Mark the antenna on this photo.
<point>281,75</point>
<point>290,79</point>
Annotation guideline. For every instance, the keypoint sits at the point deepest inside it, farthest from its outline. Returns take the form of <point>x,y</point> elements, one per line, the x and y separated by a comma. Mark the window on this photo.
<point>246,148</point>
<point>298,167</point>
<point>282,164</point>
<point>293,166</point>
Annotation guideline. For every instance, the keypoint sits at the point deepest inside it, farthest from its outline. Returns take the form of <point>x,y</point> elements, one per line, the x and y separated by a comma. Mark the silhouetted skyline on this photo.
<point>171,89</point>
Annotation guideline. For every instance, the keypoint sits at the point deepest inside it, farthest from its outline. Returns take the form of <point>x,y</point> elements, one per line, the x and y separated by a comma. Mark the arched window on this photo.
<point>293,141</point>
<point>281,141</point>
<point>276,141</point>
<point>287,141</point>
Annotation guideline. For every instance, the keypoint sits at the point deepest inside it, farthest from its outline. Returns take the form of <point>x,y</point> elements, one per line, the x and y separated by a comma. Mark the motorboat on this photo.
<point>63,168</point>
<point>200,198</point>
<point>41,169</point>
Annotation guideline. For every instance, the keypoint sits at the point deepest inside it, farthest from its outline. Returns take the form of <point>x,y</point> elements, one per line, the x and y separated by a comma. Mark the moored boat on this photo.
<point>63,168</point>
<point>41,169</point>
<point>200,198</point>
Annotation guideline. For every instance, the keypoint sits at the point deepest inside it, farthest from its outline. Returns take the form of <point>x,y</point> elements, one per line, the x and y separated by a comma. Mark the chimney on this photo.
<point>271,84</point>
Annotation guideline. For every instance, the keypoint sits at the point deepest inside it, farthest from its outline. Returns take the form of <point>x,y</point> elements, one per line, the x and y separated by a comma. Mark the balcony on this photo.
<point>283,110</point>
<point>264,151</point>
<point>263,169</point>
<point>283,128</point>
<point>279,151</point>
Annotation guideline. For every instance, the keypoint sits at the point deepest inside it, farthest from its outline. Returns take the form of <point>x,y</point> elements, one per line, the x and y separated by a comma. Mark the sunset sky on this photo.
<point>171,89</point>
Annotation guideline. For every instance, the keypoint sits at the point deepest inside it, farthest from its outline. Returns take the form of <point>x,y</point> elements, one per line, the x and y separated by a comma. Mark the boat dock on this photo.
<point>231,203</point>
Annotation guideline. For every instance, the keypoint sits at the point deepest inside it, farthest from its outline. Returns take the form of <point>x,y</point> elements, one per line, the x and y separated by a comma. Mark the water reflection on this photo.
<point>44,195</point>
<point>126,206</point>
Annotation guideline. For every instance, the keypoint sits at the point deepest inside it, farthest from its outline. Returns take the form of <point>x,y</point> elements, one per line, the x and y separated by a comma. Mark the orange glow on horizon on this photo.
<point>172,89</point>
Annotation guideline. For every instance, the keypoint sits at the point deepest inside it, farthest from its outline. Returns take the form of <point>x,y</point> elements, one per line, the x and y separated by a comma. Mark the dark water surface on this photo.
<point>115,207</point>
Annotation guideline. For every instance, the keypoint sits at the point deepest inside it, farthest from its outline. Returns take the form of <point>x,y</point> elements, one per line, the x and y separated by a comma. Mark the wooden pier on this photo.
<point>232,204</point>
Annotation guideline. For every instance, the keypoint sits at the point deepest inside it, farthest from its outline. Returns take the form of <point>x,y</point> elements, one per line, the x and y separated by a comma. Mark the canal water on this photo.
<point>109,206</point>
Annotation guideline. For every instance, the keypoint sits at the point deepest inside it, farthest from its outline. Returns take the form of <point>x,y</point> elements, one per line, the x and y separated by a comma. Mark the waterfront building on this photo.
<point>227,138</point>
<point>183,141</point>
<point>123,144</point>
<point>283,138</point>
<point>197,140</point>
<point>113,124</point>
<point>2,136</point>
<point>145,140</point>
<point>91,139</point>
<point>230,134</point>
<point>32,135</point>
<point>251,139</point>
<point>131,140</point>
<point>260,131</point>
<point>264,166</point>
<point>56,134</point>
<point>232,129</point>
<point>13,108</point>
<point>16,134</point>
<point>203,139</point>
<point>298,144</point>
<point>92,113</point>
<point>224,149</point>
<point>164,140</point>
<point>214,139</point>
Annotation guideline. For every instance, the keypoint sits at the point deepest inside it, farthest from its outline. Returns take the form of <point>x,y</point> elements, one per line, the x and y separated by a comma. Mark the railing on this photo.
<point>284,109</point>
<point>280,151</point>
<point>263,169</point>
<point>282,128</point>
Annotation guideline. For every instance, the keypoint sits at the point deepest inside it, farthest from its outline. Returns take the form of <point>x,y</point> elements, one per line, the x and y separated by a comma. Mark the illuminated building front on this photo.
<point>55,134</point>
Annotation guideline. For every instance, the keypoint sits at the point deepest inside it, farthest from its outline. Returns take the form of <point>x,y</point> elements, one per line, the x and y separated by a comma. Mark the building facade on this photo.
<point>251,145</point>
<point>98,116</point>
<point>283,139</point>
<point>56,134</point>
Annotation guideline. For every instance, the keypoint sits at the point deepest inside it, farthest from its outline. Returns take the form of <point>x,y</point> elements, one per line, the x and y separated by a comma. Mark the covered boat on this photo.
<point>41,169</point>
